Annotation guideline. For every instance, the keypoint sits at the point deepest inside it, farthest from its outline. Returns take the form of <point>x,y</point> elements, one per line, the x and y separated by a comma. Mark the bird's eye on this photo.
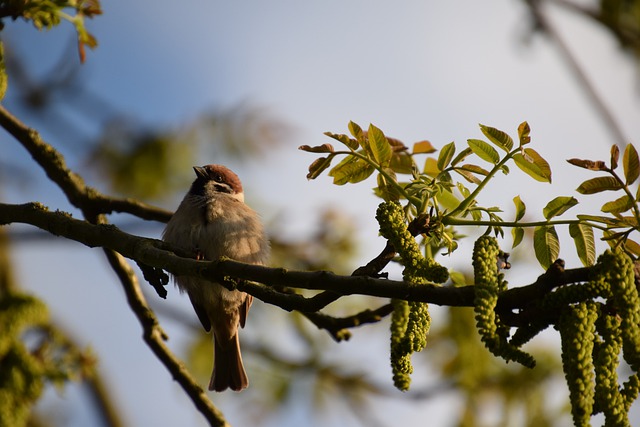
<point>218,178</point>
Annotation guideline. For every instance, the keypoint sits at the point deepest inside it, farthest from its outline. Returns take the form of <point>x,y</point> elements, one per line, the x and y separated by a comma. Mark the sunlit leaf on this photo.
<point>523,133</point>
<point>447,199</point>
<point>518,234</point>
<point>582,235</point>
<point>498,137</point>
<point>601,219</point>
<point>446,154</point>
<point>318,166</point>
<point>546,245</point>
<point>615,155</point>
<point>379,146</point>
<point>351,169</point>
<point>461,156</point>
<point>349,142</point>
<point>617,206</point>
<point>431,167</point>
<point>632,247</point>
<point>483,150</point>
<point>423,147</point>
<point>324,148</point>
<point>558,206</point>
<point>468,176</point>
<point>401,162</point>
<point>533,165</point>
<point>520,208</point>
<point>474,169</point>
<point>598,165</point>
<point>596,185</point>
<point>356,131</point>
<point>630,164</point>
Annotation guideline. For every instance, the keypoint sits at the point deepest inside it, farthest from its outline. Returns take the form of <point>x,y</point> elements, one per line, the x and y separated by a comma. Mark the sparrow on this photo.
<point>213,221</point>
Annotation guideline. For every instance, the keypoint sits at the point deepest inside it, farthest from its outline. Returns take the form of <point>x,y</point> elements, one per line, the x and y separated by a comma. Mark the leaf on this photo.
<point>483,150</point>
<point>351,169</point>
<point>474,169</point>
<point>386,190</point>
<point>598,165</point>
<point>520,208</point>
<point>533,165</point>
<point>546,245</point>
<point>498,137</point>
<point>518,234</point>
<point>431,167</point>
<point>401,162</point>
<point>582,235</point>
<point>630,164</point>
<point>615,155</point>
<point>601,219</point>
<point>423,147</point>
<point>523,133</point>
<point>461,156</point>
<point>446,154</point>
<point>558,206</point>
<point>356,131</point>
<point>596,185</point>
<point>324,148</point>
<point>617,206</point>
<point>468,176</point>
<point>318,166</point>
<point>632,247</point>
<point>349,142</point>
<point>379,146</point>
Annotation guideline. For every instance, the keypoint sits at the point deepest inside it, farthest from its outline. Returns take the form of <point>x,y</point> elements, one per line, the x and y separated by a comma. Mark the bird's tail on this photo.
<point>228,370</point>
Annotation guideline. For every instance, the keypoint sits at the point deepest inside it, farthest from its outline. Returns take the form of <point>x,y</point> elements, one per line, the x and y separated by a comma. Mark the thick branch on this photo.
<point>261,281</point>
<point>79,194</point>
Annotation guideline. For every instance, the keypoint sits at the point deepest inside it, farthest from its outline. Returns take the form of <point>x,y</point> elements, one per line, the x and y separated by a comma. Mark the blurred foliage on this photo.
<point>148,162</point>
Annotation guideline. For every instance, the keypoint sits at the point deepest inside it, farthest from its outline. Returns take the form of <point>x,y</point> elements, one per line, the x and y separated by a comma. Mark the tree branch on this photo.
<point>263,282</point>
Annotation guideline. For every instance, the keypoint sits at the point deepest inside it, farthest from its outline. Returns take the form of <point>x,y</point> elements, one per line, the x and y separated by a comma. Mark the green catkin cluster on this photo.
<point>616,268</point>
<point>577,332</point>
<point>608,397</point>
<point>489,283</point>
<point>410,321</point>
<point>22,374</point>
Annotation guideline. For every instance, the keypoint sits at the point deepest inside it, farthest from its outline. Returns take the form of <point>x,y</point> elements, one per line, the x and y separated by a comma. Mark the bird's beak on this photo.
<point>200,171</point>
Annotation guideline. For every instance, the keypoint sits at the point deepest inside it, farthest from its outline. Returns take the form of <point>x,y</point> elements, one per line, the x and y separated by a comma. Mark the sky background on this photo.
<point>422,70</point>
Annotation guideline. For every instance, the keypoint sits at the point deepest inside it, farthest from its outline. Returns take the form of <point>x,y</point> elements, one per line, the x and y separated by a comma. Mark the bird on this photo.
<point>213,221</point>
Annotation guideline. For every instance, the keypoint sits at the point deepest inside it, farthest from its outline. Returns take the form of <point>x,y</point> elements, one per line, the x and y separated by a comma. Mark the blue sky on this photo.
<point>422,70</point>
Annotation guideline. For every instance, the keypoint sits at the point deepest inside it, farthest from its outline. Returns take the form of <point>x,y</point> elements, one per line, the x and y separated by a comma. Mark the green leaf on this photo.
<point>596,185</point>
<point>523,133</point>
<point>483,150</point>
<point>379,146</point>
<point>474,169</point>
<point>498,137</point>
<point>582,235</point>
<point>318,166</point>
<point>349,142</point>
<point>401,162</point>
<point>468,176</point>
<point>601,219</point>
<point>461,156</point>
<point>521,208</point>
<point>324,148</point>
<point>630,164</point>
<point>387,190</point>
<point>423,147</point>
<point>352,169</point>
<point>446,154</point>
<point>356,131</point>
<point>431,167</point>
<point>546,245</point>
<point>632,247</point>
<point>518,234</point>
<point>617,206</point>
<point>531,163</point>
<point>558,206</point>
